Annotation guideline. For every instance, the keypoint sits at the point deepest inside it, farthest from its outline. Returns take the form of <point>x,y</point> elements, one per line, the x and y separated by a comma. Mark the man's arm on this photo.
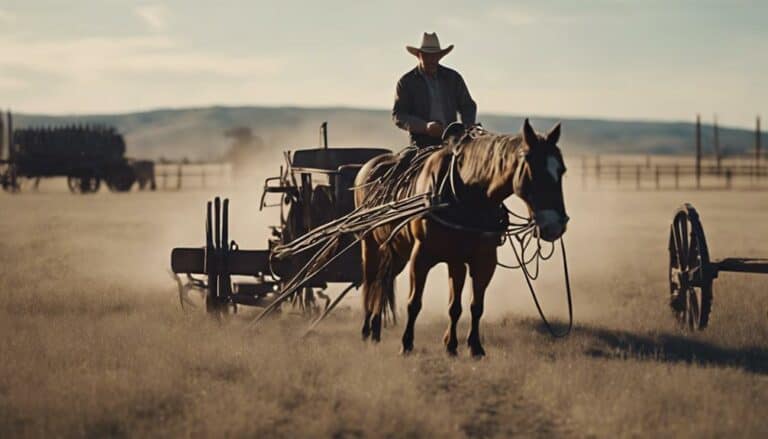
<point>401,113</point>
<point>467,105</point>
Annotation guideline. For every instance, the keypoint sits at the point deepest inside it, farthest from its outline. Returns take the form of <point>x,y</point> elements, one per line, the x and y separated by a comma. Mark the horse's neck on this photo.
<point>501,184</point>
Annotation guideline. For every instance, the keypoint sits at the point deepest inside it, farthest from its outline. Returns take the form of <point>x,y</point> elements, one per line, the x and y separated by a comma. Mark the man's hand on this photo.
<point>435,129</point>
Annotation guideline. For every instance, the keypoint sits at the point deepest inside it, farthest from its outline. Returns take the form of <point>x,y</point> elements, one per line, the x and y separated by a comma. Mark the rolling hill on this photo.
<point>198,133</point>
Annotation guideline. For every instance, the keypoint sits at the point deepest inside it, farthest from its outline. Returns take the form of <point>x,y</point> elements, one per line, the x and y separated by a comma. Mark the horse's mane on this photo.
<point>486,156</point>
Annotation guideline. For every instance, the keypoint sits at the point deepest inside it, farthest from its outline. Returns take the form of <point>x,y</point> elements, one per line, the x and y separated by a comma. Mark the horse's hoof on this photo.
<point>477,352</point>
<point>451,351</point>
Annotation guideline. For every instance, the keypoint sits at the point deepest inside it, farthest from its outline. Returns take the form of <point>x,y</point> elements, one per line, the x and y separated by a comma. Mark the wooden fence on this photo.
<point>176,176</point>
<point>663,173</point>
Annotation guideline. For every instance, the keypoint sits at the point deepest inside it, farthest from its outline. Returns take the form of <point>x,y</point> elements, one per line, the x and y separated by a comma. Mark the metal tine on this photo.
<point>225,226</point>
<point>211,267</point>
<point>329,308</point>
<point>217,236</point>
<point>224,279</point>
<point>208,228</point>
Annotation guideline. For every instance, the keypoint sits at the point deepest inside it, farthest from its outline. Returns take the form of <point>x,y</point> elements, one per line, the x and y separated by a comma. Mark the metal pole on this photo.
<point>324,133</point>
<point>698,151</point>
<point>718,156</point>
<point>2,136</point>
<point>757,146</point>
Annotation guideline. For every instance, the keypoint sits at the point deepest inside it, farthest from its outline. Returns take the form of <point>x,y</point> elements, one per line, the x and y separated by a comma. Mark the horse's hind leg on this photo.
<point>456,273</point>
<point>420,266</point>
<point>481,270</point>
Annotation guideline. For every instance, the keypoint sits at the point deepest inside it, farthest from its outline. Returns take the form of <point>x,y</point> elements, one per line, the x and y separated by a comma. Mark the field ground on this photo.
<point>94,343</point>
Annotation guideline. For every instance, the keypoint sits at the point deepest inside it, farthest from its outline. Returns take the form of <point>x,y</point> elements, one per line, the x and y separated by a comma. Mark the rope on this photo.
<point>381,206</point>
<point>528,278</point>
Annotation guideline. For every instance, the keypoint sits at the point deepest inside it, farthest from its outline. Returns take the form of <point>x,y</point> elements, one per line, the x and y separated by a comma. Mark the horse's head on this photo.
<point>539,181</point>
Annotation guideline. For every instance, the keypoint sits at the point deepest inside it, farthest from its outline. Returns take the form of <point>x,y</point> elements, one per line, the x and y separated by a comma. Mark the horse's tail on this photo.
<point>387,280</point>
<point>379,279</point>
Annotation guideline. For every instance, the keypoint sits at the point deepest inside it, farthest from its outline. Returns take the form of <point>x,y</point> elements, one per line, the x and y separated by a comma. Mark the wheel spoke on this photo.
<point>678,244</point>
<point>685,248</point>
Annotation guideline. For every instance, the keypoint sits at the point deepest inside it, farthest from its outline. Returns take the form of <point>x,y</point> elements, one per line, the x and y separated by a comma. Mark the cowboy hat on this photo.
<point>429,44</point>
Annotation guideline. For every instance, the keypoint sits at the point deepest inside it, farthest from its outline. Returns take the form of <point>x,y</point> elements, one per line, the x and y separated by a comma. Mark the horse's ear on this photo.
<point>529,135</point>
<point>554,134</point>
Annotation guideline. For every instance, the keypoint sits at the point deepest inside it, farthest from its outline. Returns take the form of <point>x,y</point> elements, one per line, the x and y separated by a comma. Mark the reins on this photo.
<point>523,234</point>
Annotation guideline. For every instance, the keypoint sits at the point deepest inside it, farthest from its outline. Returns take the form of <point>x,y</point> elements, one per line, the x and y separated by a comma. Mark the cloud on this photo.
<point>10,83</point>
<point>7,16</point>
<point>105,58</point>
<point>155,16</point>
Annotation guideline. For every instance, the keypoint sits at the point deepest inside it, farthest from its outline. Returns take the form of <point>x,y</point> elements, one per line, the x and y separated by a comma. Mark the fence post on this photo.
<point>677,176</point>
<point>728,176</point>
<point>757,147</point>
<point>597,170</point>
<point>637,177</point>
<point>658,178</point>
<point>2,136</point>
<point>698,151</point>
<point>178,178</point>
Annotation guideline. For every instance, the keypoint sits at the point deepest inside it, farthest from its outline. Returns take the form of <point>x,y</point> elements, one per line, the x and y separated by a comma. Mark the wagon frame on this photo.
<point>313,188</point>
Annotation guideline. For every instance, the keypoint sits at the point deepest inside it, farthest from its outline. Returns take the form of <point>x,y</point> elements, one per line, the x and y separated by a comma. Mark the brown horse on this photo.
<point>490,168</point>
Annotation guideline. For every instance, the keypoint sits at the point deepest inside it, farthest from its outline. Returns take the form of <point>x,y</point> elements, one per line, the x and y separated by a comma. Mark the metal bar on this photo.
<point>330,308</point>
<point>742,265</point>
<point>239,262</point>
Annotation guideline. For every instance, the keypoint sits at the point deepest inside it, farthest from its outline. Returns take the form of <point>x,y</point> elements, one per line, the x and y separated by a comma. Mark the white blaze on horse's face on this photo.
<point>550,222</point>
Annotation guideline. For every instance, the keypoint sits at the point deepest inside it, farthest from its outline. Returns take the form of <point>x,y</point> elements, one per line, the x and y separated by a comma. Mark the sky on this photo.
<point>654,60</point>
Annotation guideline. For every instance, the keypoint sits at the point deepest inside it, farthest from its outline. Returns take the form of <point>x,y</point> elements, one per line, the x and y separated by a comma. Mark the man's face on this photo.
<point>429,61</point>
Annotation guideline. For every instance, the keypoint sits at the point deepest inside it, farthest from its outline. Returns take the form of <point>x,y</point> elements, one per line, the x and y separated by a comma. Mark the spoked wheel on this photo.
<point>83,184</point>
<point>690,271</point>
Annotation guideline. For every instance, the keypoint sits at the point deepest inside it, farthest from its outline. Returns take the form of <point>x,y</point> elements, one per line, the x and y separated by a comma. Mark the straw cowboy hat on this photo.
<point>429,44</point>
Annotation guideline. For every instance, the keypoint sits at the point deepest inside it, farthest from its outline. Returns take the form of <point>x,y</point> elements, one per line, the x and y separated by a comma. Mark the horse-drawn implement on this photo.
<point>334,199</point>
<point>692,273</point>
<point>313,189</point>
<point>85,155</point>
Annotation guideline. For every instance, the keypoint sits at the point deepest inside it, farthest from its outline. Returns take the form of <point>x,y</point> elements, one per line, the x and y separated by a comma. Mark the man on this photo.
<point>429,96</point>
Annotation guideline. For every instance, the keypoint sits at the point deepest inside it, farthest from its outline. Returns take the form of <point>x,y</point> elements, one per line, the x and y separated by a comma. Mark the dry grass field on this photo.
<point>93,342</point>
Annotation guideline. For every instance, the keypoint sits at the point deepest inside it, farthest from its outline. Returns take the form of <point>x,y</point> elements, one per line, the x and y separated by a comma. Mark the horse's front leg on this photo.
<point>481,269</point>
<point>457,272</point>
<point>421,263</point>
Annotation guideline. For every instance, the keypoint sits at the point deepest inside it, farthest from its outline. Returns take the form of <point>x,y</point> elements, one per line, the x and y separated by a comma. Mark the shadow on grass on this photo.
<point>667,348</point>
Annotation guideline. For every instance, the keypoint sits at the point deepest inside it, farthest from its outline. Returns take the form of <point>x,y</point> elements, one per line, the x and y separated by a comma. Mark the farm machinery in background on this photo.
<point>85,155</point>
<point>312,189</point>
